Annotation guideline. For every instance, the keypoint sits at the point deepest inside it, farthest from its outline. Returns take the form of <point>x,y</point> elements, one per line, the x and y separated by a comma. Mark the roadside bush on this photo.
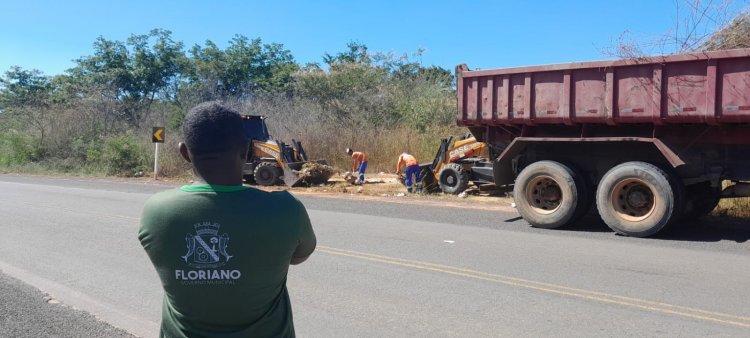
<point>421,104</point>
<point>68,165</point>
<point>122,155</point>
<point>16,148</point>
<point>171,163</point>
<point>93,153</point>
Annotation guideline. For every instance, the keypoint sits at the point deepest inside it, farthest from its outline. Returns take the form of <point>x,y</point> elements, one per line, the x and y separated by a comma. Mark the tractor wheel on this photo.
<point>267,173</point>
<point>550,194</point>
<point>453,179</point>
<point>638,199</point>
<point>249,179</point>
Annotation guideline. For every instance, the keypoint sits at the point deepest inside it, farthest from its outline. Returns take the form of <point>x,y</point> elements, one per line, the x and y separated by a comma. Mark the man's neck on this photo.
<point>218,178</point>
<point>218,181</point>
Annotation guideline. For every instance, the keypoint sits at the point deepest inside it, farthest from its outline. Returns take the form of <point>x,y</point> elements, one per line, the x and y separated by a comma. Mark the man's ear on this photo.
<point>184,152</point>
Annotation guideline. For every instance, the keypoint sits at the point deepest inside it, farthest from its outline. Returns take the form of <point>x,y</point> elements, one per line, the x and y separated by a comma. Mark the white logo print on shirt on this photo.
<point>206,251</point>
<point>206,248</point>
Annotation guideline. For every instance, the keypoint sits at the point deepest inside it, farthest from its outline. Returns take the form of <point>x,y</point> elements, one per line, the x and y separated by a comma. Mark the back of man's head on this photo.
<point>212,128</point>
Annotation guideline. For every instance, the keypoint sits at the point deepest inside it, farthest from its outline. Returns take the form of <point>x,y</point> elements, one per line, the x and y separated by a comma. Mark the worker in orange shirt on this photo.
<point>359,164</point>
<point>412,168</point>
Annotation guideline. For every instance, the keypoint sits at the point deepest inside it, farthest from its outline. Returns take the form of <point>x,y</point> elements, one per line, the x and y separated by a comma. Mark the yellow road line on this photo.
<point>682,311</point>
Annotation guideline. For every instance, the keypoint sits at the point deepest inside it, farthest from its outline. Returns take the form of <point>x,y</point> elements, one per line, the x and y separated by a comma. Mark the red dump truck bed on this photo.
<point>647,142</point>
<point>699,88</point>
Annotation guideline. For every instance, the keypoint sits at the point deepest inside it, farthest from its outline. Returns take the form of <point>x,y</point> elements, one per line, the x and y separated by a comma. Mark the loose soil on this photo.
<point>387,188</point>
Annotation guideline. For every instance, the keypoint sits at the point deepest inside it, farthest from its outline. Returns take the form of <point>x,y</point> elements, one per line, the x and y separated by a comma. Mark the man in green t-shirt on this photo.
<point>222,250</point>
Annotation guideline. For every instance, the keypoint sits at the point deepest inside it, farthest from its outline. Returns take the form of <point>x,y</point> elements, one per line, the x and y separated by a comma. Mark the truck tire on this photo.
<point>638,199</point>
<point>267,173</point>
<point>453,179</point>
<point>550,194</point>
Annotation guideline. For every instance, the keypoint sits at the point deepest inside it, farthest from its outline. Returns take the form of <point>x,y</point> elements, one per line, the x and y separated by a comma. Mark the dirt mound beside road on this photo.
<point>387,187</point>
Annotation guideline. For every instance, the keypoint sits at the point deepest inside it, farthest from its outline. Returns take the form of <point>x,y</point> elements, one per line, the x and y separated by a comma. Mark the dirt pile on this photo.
<point>313,173</point>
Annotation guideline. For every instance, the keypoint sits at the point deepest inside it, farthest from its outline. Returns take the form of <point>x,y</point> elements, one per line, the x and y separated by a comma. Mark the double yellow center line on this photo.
<point>663,308</point>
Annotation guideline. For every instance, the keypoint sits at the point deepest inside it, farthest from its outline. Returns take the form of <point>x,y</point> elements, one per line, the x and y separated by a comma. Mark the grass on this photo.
<point>382,146</point>
<point>733,207</point>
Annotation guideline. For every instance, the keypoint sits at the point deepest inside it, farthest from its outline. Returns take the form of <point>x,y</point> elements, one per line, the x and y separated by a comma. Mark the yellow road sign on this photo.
<point>158,135</point>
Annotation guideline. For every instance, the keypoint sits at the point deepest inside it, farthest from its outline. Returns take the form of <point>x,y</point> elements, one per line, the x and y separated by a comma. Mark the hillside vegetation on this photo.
<point>96,118</point>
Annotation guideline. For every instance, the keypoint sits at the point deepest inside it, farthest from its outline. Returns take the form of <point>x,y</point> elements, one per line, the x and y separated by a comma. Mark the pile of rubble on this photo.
<point>313,173</point>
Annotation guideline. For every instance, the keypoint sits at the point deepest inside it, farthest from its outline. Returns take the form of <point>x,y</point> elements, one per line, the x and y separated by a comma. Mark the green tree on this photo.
<point>20,87</point>
<point>349,92</point>
<point>356,53</point>
<point>132,74</point>
<point>243,68</point>
<point>371,90</point>
<point>26,96</point>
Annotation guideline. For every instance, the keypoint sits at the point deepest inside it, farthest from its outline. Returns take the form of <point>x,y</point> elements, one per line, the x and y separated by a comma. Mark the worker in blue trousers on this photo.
<point>359,163</point>
<point>412,169</point>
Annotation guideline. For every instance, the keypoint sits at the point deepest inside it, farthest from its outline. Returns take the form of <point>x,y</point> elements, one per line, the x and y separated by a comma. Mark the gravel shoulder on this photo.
<point>28,312</point>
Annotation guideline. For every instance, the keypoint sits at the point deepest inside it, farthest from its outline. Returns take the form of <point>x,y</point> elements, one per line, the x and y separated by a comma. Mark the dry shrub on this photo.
<point>733,207</point>
<point>325,138</point>
<point>382,146</point>
<point>735,35</point>
<point>171,164</point>
<point>698,25</point>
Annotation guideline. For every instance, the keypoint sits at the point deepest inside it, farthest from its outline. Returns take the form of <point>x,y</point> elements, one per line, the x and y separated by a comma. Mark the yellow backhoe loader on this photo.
<point>456,164</point>
<point>269,162</point>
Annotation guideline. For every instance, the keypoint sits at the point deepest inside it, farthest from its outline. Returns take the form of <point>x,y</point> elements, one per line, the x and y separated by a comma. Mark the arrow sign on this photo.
<point>158,135</point>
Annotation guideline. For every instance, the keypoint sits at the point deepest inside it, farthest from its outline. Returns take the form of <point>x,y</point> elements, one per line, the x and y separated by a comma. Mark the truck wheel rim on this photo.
<point>633,200</point>
<point>543,194</point>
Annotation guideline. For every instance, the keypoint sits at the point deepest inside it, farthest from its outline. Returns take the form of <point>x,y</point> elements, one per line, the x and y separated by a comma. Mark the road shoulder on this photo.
<point>28,312</point>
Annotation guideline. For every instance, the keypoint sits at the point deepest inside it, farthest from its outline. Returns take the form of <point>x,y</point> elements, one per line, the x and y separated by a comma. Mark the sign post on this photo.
<point>157,137</point>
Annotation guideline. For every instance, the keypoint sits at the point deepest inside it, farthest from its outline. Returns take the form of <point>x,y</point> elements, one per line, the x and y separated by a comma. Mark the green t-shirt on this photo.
<point>222,254</point>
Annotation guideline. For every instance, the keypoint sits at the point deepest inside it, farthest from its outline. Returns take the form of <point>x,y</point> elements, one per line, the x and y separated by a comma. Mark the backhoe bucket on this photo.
<point>429,183</point>
<point>307,173</point>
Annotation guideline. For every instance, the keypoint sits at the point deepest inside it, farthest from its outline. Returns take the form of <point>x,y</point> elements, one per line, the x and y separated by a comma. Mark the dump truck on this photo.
<point>457,164</point>
<point>646,142</point>
<point>269,161</point>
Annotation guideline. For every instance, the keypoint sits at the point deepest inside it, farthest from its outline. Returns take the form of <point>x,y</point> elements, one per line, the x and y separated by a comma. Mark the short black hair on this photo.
<point>211,128</point>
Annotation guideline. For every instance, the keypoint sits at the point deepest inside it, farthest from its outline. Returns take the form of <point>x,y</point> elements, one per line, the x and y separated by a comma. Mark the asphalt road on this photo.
<point>397,270</point>
<point>27,312</point>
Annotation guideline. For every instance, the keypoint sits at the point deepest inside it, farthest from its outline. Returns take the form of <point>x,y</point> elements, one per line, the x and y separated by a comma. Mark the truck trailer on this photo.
<point>646,142</point>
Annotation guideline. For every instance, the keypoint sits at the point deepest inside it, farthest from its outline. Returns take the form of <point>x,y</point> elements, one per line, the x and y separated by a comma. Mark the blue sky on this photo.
<point>47,35</point>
